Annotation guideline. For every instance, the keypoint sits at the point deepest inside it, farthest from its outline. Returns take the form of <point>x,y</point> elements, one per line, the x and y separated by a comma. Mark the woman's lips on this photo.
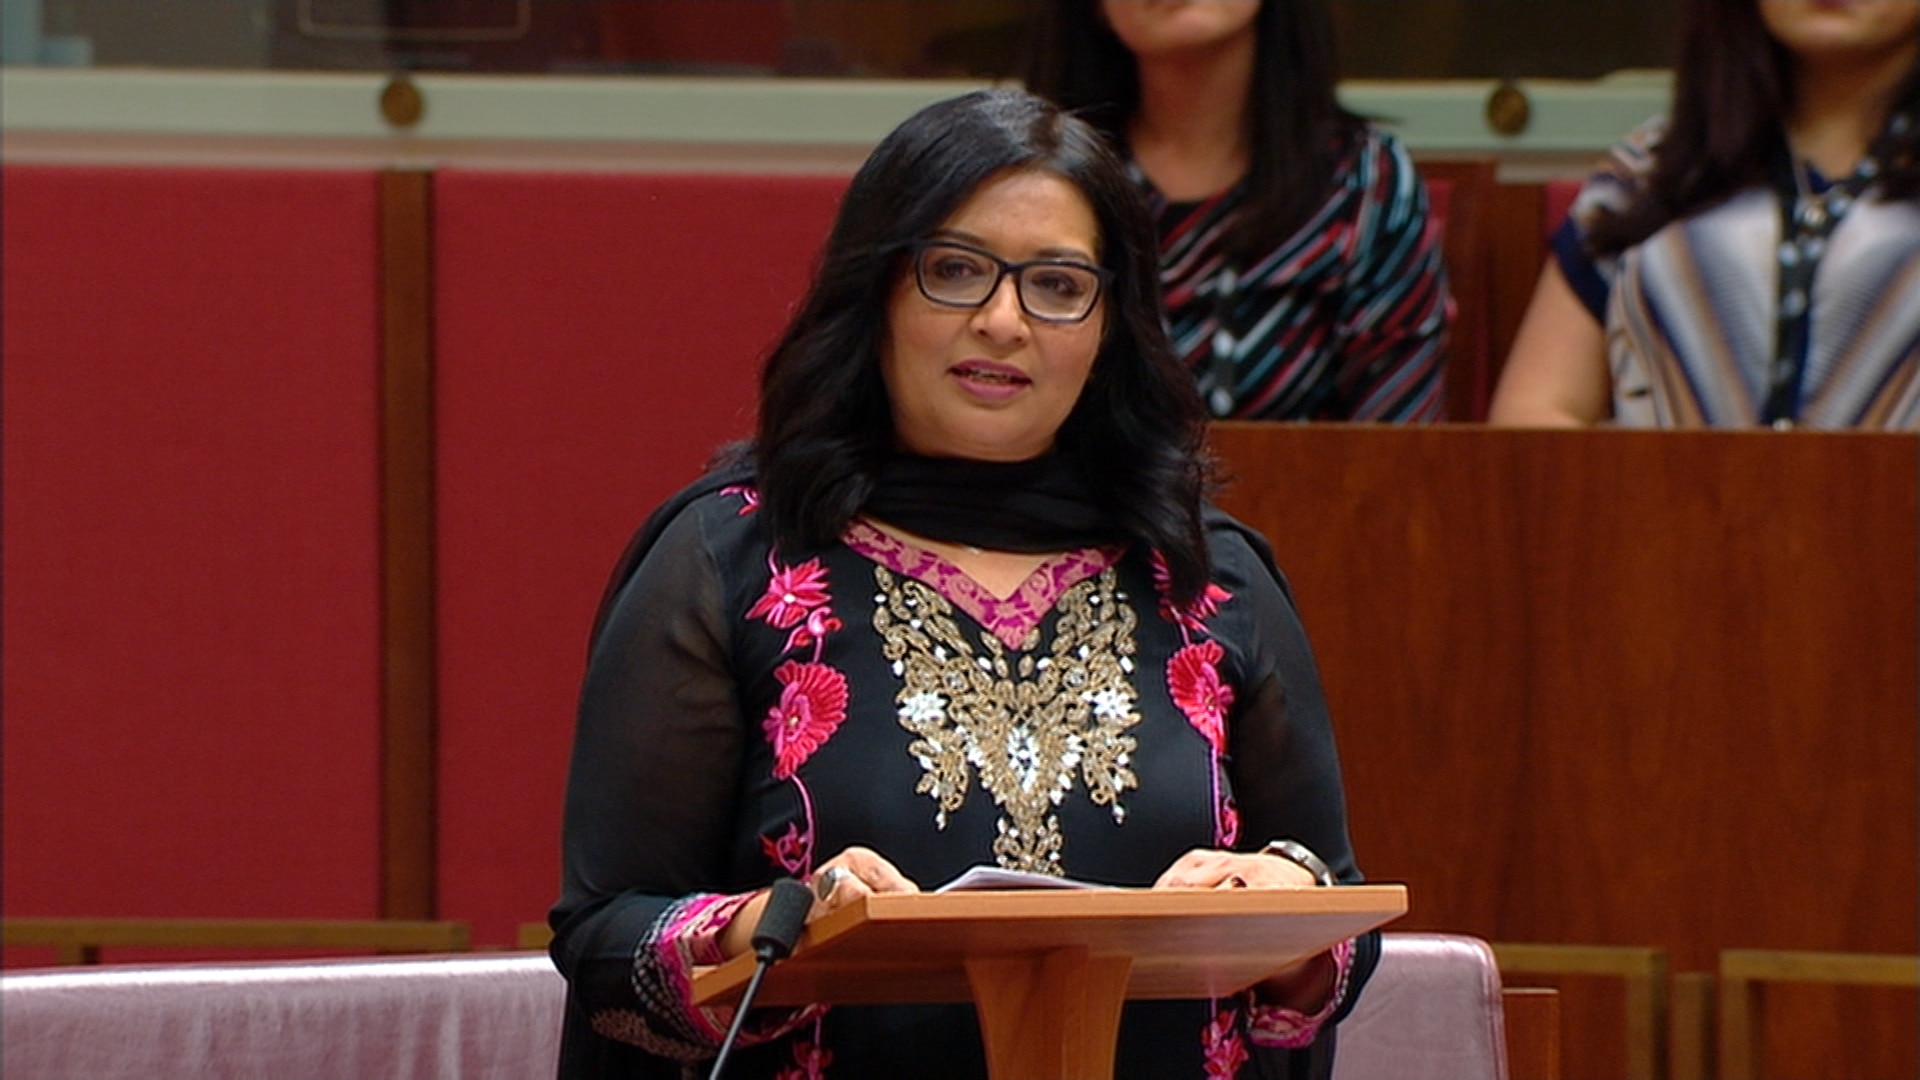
<point>988,379</point>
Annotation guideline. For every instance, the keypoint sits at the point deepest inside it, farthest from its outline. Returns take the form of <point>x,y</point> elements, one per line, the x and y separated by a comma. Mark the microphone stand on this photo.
<point>773,938</point>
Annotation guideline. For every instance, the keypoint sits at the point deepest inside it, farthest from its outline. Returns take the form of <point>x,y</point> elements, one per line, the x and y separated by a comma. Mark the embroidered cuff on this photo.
<point>685,937</point>
<point>695,937</point>
<point>1275,1025</point>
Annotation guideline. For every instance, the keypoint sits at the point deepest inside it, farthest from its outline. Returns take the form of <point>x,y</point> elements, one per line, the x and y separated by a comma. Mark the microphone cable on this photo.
<point>773,939</point>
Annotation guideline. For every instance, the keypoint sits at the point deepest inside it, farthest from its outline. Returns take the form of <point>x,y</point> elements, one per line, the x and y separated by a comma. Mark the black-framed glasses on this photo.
<point>1052,290</point>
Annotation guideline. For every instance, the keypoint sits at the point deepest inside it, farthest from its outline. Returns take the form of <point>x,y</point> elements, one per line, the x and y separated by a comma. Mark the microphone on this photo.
<point>773,939</point>
<point>782,920</point>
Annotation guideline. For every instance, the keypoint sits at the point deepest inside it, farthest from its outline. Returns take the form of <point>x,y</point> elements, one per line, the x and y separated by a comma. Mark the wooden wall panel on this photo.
<point>1620,687</point>
<point>408,674</point>
<point>1519,248</point>
<point>1461,196</point>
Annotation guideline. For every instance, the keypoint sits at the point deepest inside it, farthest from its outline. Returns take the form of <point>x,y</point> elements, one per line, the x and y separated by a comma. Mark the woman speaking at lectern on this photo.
<point>961,601</point>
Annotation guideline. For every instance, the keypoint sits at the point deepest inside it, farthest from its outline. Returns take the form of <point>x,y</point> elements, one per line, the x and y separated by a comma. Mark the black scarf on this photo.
<point>1041,505</point>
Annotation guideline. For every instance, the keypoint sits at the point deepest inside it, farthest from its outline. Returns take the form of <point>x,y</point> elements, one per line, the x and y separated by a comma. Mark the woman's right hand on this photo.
<point>853,873</point>
<point>838,881</point>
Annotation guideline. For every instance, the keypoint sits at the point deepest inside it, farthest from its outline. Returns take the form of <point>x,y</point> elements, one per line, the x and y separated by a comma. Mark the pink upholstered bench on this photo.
<point>1431,1012</point>
<point>462,1017</point>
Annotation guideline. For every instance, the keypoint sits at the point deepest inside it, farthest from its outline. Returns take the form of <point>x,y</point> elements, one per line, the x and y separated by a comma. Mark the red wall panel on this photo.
<point>596,337</point>
<point>190,607</point>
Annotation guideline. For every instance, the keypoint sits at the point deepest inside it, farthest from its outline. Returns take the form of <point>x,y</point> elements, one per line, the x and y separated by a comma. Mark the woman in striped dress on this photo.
<point>1755,258</point>
<point>1300,276</point>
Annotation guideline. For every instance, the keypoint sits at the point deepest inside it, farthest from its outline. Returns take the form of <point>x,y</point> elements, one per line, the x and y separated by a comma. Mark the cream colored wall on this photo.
<point>662,122</point>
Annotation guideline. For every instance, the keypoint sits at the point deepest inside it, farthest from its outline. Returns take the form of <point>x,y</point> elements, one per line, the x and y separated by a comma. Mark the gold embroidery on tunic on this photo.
<point>1025,724</point>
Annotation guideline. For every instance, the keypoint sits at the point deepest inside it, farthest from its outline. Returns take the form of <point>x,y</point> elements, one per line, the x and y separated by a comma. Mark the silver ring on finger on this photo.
<point>825,882</point>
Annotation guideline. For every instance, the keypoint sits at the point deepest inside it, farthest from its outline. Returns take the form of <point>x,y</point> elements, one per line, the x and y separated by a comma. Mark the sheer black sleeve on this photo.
<point>649,807</point>
<point>1283,764</point>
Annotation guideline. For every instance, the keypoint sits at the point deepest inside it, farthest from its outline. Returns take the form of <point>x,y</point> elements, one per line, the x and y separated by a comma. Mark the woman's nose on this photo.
<point>1001,317</point>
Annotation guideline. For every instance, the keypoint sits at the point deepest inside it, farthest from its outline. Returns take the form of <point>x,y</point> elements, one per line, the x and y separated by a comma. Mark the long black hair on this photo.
<point>1733,93</point>
<point>1300,133</point>
<point>825,424</point>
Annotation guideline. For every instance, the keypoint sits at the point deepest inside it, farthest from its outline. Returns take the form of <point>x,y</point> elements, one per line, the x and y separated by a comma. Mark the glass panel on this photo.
<point>1380,39</point>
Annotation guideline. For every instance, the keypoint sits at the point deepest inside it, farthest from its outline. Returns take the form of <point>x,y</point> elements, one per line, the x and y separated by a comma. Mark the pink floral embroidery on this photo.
<point>1193,676</point>
<point>789,852</point>
<point>819,623</point>
<point>793,593</point>
<point>1277,1025</point>
<point>1225,1052</point>
<point>1193,616</point>
<point>1193,680</point>
<point>1229,823</point>
<point>812,705</point>
<point>1013,619</point>
<point>813,696</point>
<point>749,498</point>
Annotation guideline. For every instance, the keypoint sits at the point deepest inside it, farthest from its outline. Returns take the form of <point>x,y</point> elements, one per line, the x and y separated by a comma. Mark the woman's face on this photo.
<point>1869,30</point>
<point>1162,27</point>
<point>993,383</point>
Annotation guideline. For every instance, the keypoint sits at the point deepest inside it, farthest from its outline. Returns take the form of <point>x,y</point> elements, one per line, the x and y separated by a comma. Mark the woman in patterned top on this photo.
<point>1301,278</point>
<point>961,602</point>
<point>1754,259</point>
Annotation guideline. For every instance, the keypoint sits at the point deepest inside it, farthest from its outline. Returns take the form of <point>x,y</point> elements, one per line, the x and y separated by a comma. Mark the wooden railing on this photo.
<point>1644,971</point>
<point>79,941</point>
<point>1744,972</point>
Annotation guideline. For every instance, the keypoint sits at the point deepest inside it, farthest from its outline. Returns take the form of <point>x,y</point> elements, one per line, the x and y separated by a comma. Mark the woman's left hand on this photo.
<point>1304,986</point>
<point>1210,868</point>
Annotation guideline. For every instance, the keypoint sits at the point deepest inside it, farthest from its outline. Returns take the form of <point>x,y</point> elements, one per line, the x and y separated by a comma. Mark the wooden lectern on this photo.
<point>1048,970</point>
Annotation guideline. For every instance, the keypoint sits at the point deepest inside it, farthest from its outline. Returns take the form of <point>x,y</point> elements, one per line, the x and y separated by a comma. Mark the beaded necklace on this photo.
<point>1809,214</point>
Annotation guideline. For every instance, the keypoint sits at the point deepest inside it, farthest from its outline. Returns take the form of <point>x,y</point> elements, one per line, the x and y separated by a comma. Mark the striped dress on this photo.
<point>1346,320</point>
<point>1689,312</point>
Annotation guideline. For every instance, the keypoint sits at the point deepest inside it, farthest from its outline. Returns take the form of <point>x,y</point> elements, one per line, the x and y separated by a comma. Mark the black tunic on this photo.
<point>749,713</point>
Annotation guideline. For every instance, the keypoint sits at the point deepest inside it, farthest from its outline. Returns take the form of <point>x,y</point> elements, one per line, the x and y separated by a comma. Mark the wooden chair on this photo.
<point>1461,193</point>
<point>79,941</point>
<point>1743,972</point>
<point>1532,1015</point>
<point>1690,1026</point>
<point>1643,968</point>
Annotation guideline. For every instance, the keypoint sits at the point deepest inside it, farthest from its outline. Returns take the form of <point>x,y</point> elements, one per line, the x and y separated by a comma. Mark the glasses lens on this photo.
<point>964,277</point>
<point>1059,290</point>
<point>955,275</point>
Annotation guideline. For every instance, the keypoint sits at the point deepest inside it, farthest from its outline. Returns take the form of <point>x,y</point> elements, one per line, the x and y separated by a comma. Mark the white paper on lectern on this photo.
<point>993,877</point>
